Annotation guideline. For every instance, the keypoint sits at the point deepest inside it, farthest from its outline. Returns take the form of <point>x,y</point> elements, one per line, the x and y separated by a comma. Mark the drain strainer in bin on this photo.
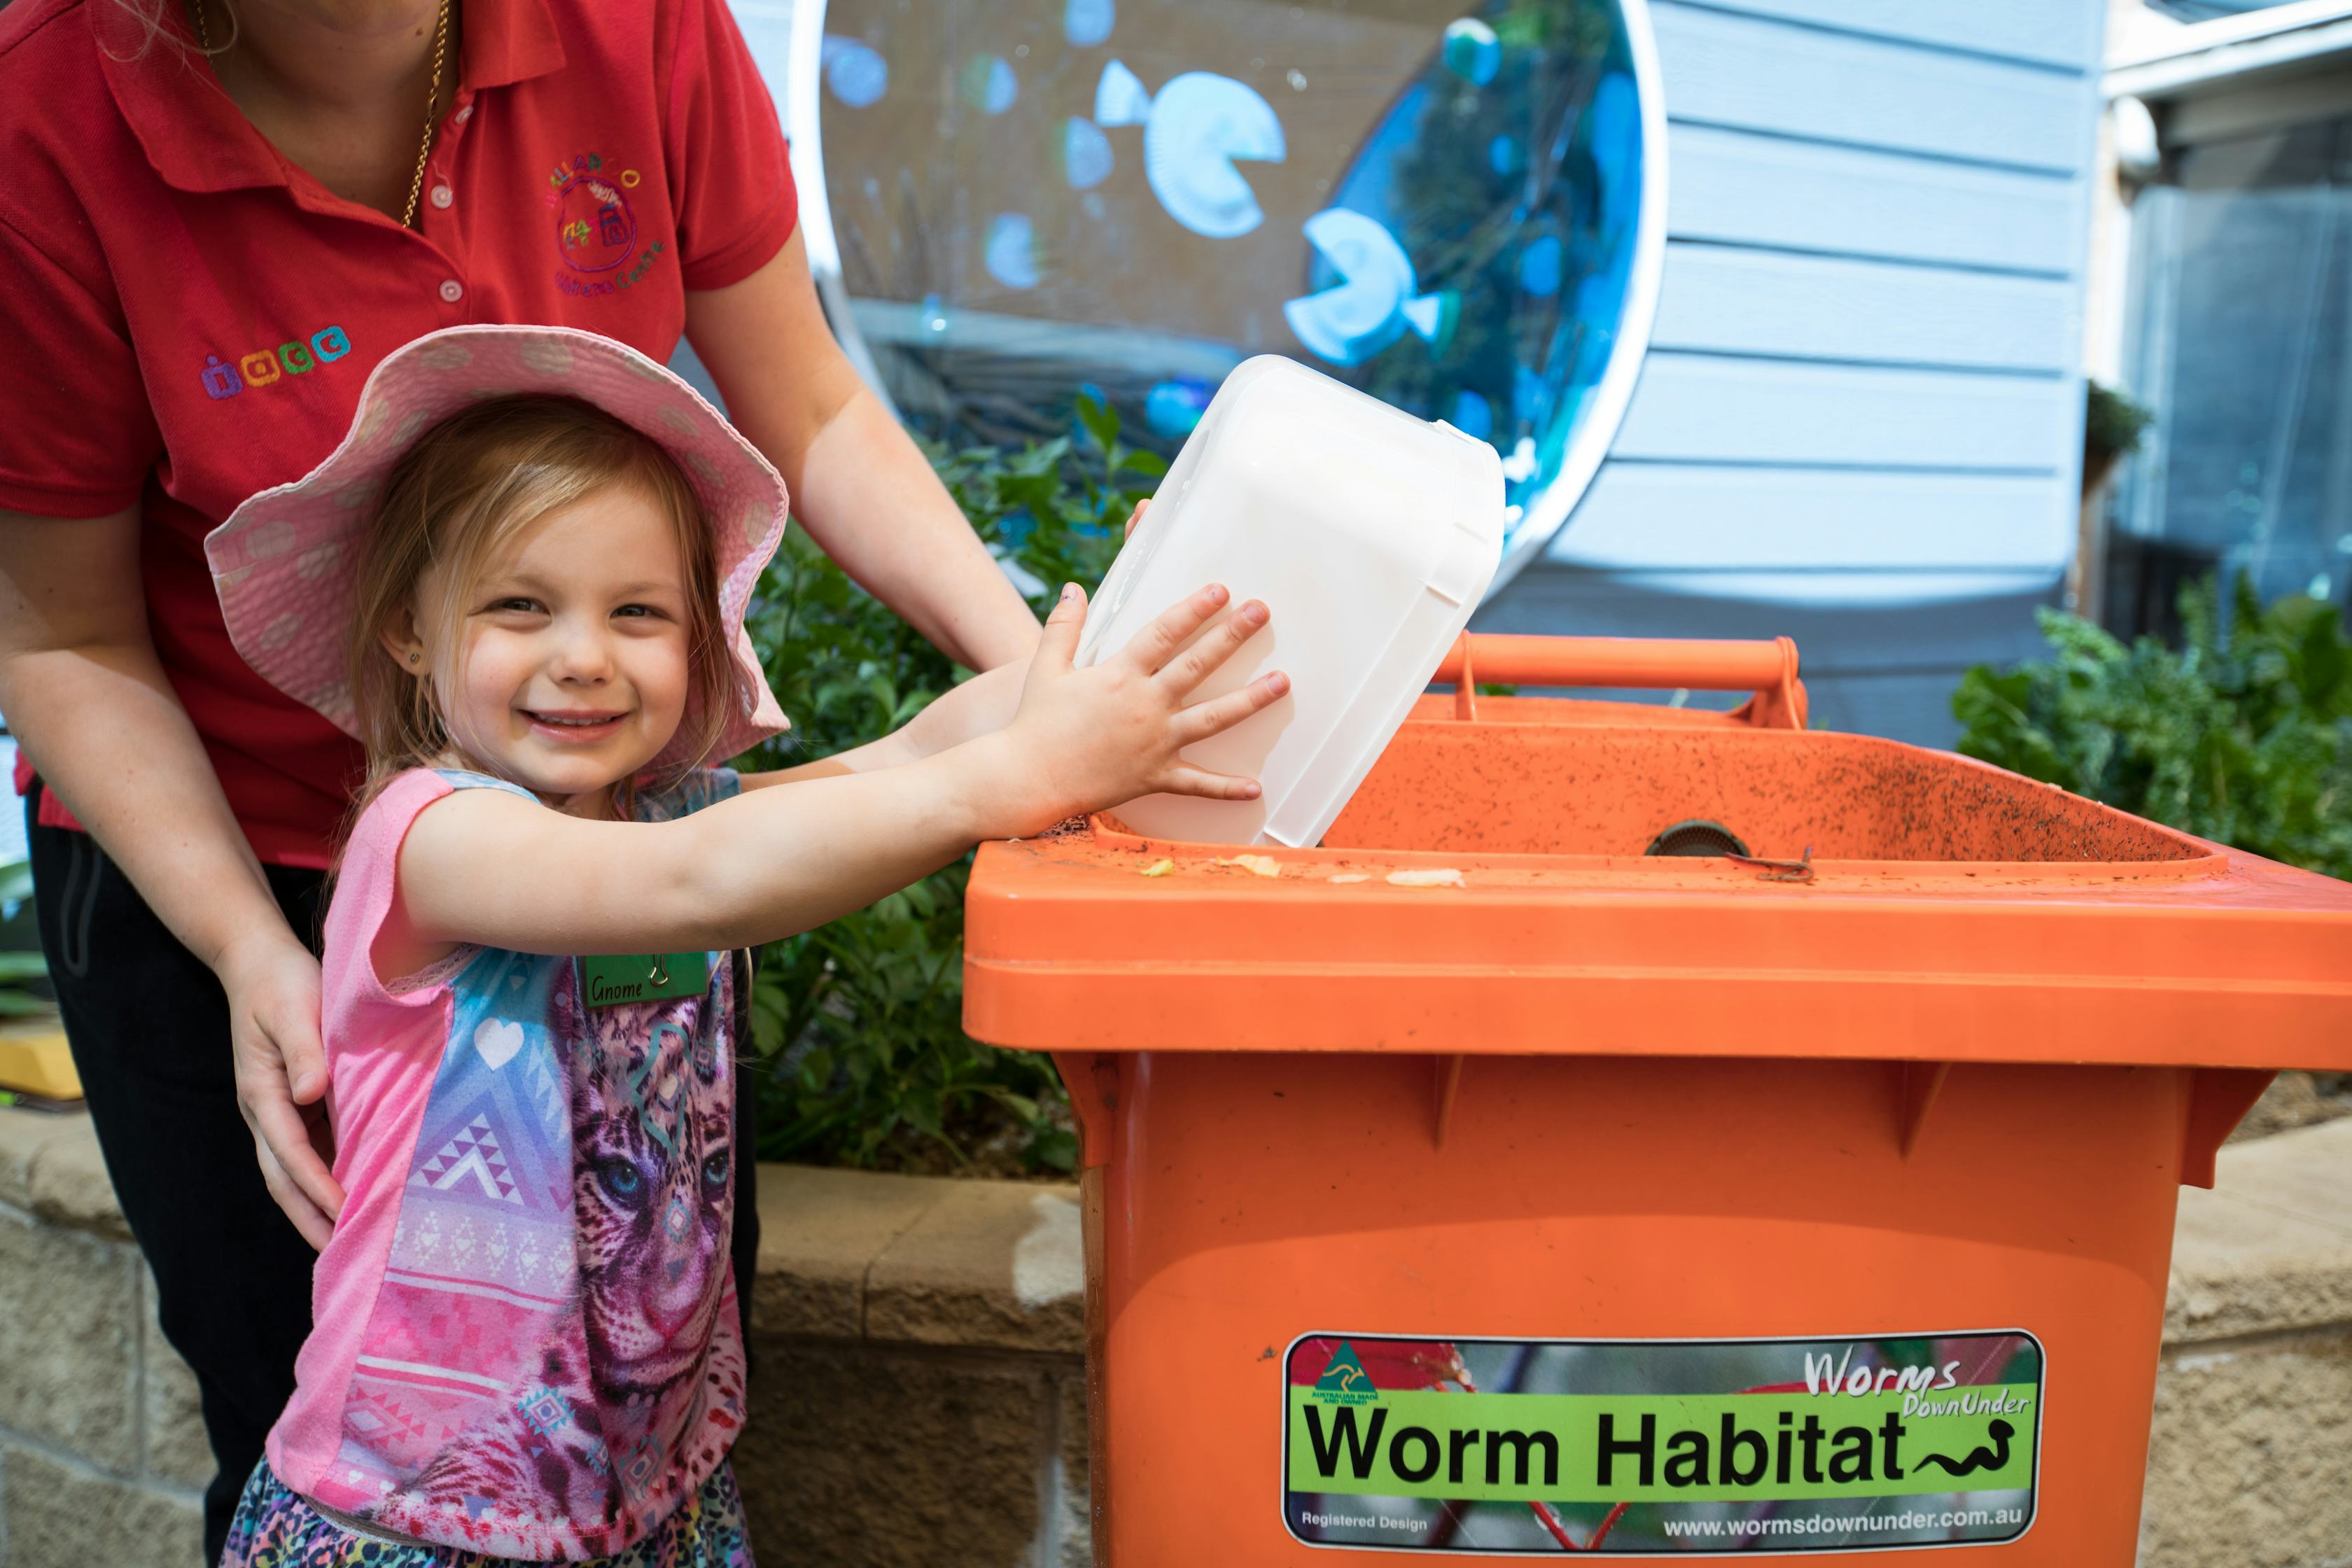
<point>1698,838</point>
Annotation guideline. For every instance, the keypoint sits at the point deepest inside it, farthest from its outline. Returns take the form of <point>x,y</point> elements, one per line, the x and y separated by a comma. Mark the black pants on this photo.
<point>149,1026</point>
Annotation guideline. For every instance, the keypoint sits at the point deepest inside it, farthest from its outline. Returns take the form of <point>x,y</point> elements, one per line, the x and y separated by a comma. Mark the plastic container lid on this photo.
<point>1370,534</point>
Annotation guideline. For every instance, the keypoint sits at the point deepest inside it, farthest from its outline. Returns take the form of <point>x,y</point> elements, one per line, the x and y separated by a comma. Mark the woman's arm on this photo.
<point>84,693</point>
<point>859,485</point>
<point>485,866</point>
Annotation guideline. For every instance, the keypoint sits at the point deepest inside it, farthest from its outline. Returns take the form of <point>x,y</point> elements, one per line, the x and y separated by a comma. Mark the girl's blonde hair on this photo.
<point>468,489</point>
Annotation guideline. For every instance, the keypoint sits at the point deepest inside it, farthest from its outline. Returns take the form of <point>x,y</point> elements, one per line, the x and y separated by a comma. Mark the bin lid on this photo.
<point>1488,891</point>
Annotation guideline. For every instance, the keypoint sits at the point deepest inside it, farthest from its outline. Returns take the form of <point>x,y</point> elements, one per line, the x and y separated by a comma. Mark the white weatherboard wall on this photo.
<point>1860,420</point>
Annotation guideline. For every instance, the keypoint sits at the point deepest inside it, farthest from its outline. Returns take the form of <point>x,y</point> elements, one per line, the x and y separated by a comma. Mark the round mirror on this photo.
<point>1460,210</point>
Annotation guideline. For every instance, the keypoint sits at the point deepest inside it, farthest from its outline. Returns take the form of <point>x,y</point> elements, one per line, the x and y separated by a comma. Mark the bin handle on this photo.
<point>1657,664</point>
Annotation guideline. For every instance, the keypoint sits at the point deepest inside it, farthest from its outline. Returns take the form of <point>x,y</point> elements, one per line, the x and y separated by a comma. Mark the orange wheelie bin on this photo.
<point>1638,1131</point>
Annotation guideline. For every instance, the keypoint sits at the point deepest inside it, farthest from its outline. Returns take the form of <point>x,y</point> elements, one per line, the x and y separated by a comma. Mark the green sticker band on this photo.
<point>1633,1448</point>
<point>615,980</point>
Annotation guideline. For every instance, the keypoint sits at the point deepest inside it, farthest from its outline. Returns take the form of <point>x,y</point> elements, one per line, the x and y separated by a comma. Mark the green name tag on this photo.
<point>615,980</point>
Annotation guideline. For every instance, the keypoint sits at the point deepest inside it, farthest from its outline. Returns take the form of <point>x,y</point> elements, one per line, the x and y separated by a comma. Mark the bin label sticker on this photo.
<point>1638,1448</point>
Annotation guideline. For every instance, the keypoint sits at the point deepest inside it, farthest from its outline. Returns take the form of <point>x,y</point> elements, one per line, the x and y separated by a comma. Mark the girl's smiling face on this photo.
<point>564,667</point>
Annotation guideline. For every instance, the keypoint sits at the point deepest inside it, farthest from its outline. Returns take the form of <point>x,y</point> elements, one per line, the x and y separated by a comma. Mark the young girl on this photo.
<point>521,581</point>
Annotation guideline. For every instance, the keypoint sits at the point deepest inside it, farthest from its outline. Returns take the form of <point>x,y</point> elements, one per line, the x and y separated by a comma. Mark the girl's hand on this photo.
<point>1083,739</point>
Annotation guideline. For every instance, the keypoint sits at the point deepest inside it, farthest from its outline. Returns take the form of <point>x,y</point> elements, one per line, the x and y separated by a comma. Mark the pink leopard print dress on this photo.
<point>526,1342</point>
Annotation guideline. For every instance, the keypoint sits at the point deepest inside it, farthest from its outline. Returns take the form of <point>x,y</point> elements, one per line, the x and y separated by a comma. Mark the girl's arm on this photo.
<point>981,706</point>
<point>488,867</point>
<point>859,485</point>
<point>86,696</point>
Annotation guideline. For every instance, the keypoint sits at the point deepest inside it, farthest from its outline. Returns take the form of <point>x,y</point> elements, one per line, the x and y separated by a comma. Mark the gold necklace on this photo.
<point>432,97</point>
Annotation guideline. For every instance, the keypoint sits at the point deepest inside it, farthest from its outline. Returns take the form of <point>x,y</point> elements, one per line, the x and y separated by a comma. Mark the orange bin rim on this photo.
<point>1488,891</point>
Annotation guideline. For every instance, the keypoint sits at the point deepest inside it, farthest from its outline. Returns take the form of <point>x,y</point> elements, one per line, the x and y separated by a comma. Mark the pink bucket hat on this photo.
<point>282,562</point>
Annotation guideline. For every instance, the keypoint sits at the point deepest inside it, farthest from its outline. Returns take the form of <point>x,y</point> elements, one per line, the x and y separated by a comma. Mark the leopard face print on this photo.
<point>652,1188</point>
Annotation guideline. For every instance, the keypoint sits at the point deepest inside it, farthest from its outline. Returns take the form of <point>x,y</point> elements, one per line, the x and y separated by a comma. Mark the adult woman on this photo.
<point>219,220</point>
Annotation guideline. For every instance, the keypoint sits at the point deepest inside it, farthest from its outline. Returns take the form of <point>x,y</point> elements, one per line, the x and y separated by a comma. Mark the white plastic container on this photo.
<point>1370,535</point>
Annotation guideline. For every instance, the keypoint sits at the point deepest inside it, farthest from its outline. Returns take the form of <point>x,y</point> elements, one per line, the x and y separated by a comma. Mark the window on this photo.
<point>2207,10</point>
<point>1454,212</point>
<point>2241,321</point>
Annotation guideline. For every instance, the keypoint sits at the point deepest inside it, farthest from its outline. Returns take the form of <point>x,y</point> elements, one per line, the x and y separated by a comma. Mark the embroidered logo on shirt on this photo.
<point>266,367</point>
<point>596,226</point>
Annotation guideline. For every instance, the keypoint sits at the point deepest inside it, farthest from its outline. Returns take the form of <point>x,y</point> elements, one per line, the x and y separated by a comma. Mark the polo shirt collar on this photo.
<point>198,140</point>
<point>509,41</point>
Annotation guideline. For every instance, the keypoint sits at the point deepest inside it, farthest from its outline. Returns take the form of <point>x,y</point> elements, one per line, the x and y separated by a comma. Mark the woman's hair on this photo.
<point>469,488</point>
<point>149,16</point>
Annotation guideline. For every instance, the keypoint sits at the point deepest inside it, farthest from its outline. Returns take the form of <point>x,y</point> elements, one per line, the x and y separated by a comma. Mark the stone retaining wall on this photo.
<point>102,1451</point>
<point>2251,1462</point>
<point>918,1392</point>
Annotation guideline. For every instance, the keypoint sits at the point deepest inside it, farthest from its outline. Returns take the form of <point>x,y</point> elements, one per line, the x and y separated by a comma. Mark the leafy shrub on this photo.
<point>2112,422</point>
<point>863,1060</point>
<point>2244,736</point>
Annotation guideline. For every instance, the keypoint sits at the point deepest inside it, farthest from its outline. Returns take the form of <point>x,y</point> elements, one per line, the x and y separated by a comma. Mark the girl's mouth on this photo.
<point>574,728</point>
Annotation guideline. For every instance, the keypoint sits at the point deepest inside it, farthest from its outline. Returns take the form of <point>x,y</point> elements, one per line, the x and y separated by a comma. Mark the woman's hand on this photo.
<point>1083,739</point>
<point>281,1074</point>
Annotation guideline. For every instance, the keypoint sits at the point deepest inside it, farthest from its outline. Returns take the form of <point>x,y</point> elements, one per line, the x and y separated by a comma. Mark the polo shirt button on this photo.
<point>442,196</point>
<point>452,291</point>
<point>465,112</point>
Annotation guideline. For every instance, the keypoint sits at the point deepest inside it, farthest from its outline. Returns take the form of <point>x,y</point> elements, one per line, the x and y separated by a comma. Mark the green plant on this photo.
<point>861,1054</point>
<point>20,971</point>
<point>2243,736</point>
<point>2112,423</point>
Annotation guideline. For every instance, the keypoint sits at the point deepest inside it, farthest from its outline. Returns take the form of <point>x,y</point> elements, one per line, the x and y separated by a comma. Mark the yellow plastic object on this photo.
<point>34,1060</point>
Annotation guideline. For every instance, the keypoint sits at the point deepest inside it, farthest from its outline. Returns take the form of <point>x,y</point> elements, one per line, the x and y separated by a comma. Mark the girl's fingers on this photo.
<point>1186,780</point>
<point>1059,644</point>
<point>1219,714</point>
<point>1198,663</point>
<point>1156,644</point>
<point>1134,519</point>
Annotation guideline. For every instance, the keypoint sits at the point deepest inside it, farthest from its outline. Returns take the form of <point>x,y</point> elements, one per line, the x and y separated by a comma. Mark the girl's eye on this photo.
<point>638,612</point>
<point>517,606</point>
<point>714,1171</point>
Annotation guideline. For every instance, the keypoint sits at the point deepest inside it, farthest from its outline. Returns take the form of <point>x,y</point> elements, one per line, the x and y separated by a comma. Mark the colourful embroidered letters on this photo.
<point>220,380</point>
<point>264,366</point>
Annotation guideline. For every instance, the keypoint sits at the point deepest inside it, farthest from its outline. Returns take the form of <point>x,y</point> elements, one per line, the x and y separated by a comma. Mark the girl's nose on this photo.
<point>581,656</point>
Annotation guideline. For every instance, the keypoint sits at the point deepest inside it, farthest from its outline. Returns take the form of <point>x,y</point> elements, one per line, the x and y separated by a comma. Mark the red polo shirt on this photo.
<point>189,316</point>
